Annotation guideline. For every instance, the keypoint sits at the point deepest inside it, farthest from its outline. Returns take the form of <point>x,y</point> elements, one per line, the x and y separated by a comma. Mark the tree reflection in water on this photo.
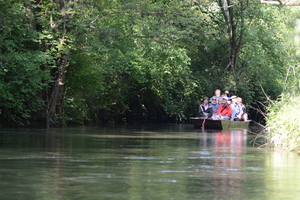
<point>173,162</point>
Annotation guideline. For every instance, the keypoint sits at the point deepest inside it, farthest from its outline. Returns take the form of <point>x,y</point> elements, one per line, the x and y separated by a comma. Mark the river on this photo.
<point>154,161</point>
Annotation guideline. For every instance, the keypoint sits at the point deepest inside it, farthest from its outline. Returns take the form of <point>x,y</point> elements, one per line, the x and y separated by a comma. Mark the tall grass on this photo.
<point>283,116</point>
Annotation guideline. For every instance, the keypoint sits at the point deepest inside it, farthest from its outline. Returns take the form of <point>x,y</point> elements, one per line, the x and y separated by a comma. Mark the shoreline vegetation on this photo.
<point>68,63</point>
<point>282,130</point>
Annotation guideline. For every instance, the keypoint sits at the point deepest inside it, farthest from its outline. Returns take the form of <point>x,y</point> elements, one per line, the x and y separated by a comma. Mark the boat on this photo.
<point>200,122</point>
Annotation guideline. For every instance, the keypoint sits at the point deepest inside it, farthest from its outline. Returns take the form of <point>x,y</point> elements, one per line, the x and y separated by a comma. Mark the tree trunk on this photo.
<point>234,35</point>
<point>57,91</point>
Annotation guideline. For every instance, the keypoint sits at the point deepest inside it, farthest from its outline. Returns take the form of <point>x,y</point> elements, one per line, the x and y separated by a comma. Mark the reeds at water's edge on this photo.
<point>282,130</point>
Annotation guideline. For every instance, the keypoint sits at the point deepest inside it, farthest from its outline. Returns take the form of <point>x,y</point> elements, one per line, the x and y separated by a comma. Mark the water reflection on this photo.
<point>230,148</point>
<point>221,163</point>
<point>173,162</point>
<point>283,175</point>
<point>55,166</point>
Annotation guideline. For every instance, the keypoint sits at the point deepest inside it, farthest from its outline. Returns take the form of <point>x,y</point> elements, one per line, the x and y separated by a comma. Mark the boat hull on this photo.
<point>199,122</point>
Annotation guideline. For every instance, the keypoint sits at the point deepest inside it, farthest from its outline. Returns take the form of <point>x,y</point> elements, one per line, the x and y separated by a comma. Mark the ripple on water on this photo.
<point>172,171</point>
<point>139,158</point>
<point>202,152</point>
<point>162,180</point>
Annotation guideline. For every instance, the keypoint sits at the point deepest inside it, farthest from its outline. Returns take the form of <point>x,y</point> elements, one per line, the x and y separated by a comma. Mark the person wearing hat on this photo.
<point>235,108</point>
<point>215,105</point>
<point>224,111</point>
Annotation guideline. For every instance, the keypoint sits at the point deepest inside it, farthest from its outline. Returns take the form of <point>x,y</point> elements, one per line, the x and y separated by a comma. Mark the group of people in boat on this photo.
<point>223,107</point>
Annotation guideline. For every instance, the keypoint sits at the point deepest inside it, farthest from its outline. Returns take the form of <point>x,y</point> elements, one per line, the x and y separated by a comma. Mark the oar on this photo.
<point>203,123</point>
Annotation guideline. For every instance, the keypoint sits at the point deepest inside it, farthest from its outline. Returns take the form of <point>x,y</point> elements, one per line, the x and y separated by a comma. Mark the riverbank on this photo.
<point>283,127</point>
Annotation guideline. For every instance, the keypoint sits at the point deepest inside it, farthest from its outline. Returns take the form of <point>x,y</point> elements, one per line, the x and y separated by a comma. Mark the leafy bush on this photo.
<point>283,127</point>
<point>283,123</point>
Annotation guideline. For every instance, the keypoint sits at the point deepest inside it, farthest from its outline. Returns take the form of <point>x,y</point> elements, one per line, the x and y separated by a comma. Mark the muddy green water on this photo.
<point>142,162</point>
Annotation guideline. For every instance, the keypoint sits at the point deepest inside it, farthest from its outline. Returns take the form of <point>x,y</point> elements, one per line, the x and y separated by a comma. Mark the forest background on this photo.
<point>66,62</point>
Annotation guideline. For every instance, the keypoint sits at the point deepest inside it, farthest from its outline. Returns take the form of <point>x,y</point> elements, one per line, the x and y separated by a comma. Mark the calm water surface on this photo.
<point>142,162</point>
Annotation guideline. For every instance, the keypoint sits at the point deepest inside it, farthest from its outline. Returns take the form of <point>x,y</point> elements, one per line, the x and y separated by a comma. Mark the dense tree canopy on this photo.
<point>95,61</point>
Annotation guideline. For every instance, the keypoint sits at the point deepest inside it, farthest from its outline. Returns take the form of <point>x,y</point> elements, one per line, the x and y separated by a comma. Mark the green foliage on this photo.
<point>22,76</point>
<point>283,124</point>
<point>121,61</point>
<point>283,128</point>
<point>20,81</point>
<point>132,67</point>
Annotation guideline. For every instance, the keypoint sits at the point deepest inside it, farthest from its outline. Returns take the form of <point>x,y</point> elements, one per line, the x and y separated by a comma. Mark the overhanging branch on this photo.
<point>279,2</point>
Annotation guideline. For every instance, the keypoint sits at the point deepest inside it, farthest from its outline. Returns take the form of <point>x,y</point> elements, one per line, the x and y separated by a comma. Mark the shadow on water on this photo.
<point>159,161</point>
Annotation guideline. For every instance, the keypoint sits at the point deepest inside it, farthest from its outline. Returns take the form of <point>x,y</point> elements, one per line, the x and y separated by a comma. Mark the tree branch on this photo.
<point>279,2</point>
